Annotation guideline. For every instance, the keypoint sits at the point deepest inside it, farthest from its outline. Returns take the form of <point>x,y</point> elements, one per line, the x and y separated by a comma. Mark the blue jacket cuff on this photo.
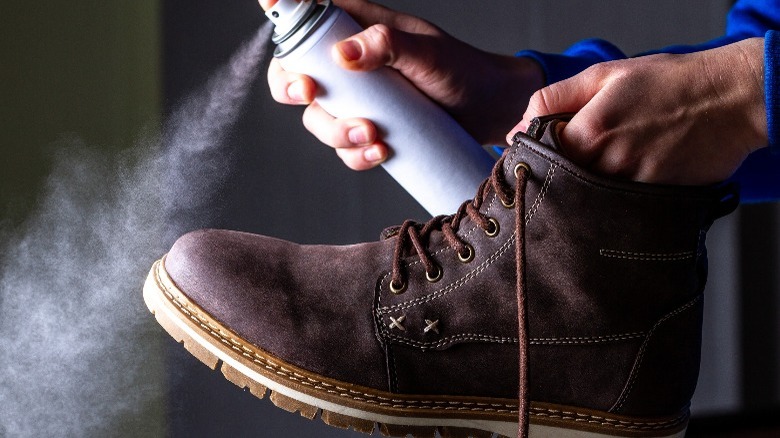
<point>772,88</point>
<point>575,59</point>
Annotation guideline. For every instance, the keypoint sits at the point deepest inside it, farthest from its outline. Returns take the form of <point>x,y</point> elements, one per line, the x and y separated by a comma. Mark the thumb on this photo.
<point>567,96</point>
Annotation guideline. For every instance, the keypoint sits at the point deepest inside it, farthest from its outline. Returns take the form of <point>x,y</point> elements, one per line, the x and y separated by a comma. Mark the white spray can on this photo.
<point>431,155</point>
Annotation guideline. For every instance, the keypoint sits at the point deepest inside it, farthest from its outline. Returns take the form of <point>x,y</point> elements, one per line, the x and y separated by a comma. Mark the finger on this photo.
<point>380,45</point>
<point>567,96</point>
<point>338,133</point>
<point>290,88</point>
<point>521,126</point>
<point>363,158</point>
<point>589,137</point>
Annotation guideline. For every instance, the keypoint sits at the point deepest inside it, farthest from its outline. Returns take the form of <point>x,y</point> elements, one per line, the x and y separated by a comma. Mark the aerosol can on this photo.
<point>431,155</point>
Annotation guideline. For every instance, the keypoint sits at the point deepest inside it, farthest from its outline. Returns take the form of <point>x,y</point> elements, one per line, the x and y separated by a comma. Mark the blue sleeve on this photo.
<point>575,59</point>
<point>746,19</point>
<point>772,88</point>
<point>752,18</point>
<point>759,175</point>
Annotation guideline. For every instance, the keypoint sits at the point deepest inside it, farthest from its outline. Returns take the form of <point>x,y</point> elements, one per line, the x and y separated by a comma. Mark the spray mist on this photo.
<point>432,156</point>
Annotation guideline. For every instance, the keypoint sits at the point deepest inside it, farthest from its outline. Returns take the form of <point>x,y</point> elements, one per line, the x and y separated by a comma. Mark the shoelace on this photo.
<point>417,235</point>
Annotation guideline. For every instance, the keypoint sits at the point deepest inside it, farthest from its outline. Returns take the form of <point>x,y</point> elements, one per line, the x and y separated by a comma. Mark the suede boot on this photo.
<point>555,303</point>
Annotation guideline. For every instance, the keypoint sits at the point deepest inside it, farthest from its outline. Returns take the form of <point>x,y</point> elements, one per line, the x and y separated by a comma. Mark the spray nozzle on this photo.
<point>287,15</point>
<point>295,20</point>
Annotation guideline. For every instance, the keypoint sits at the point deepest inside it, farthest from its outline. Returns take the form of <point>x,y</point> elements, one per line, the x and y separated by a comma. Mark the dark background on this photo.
<point>107,69</point>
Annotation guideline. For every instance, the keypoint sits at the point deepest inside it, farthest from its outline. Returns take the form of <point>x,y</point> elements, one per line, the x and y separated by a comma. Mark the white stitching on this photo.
<point>449,288</point>
<point>647,256</point>
<point>594,419</point>
<point>578,340</point>
<point>450,339</point>
<point>431,325</point>
<point>398,323</point>
<point>542,193</point>
<point>269,364</point>
<point>378,400</point>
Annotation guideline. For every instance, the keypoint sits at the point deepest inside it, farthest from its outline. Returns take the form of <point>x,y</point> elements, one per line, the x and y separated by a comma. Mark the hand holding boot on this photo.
<point>486,98</point>
<point>674,119</point>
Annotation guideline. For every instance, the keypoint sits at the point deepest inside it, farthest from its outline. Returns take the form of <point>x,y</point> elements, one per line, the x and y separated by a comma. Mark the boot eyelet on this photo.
<point>398,290</point>
<point>508,205</point>
<point>522,165</point>
<point>469,256</point>
<point>493,227</point>
<point>436,276</point>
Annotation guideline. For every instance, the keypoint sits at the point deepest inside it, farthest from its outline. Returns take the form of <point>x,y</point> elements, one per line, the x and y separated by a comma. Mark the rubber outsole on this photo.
<point>366,410</point>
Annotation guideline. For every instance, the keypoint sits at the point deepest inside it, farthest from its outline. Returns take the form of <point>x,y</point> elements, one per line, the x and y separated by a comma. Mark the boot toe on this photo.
<point>279,297</point>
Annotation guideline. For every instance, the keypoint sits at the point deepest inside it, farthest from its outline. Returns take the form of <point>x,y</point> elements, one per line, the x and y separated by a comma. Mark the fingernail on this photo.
<point>295,91</point>
<point>358,135</point>
<point>350,50</point>
<point>372,155</point>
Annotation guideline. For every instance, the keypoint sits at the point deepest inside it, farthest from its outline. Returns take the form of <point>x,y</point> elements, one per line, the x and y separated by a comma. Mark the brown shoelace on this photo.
<point>417,235</point>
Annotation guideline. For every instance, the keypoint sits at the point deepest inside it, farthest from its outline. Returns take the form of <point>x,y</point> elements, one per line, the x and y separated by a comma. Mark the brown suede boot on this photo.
<point>419,331</point>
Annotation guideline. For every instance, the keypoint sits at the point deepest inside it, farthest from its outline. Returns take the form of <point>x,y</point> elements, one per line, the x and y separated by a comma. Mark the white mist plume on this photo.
<point>75,336</point>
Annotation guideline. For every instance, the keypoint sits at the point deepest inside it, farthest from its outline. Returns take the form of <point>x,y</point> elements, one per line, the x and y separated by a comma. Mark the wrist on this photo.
<point>529,73</point>
<point>735,82</point>
<point>749,54</point>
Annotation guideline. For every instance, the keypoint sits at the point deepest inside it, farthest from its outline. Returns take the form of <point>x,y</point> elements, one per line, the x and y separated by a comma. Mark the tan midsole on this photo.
<point>171,306</point>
